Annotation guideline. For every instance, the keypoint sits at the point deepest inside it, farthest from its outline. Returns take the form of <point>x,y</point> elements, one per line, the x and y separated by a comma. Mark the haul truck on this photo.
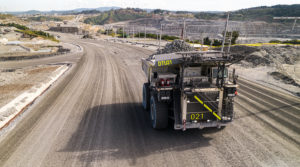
<point>191,88</point>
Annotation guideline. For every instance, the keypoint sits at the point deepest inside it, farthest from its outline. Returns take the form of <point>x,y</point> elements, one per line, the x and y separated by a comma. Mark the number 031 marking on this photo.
<point>196,116</point>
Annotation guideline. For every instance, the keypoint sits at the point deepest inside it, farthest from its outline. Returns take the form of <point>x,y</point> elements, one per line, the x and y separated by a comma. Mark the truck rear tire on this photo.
<point>146,96</point>
<point>158,113</point>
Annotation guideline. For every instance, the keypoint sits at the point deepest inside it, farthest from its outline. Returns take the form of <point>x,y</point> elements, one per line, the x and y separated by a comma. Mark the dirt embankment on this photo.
<point>20,87</point>
<point>266,55</point>
<point>280,62</point>
<point>284,78</point>
<point>23,56</point>
<point>16,81</point>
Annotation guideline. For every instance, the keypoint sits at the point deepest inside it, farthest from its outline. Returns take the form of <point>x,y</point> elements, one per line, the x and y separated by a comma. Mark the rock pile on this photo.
<point>176,46</point>
<point>87,36</point>
<point>265,55</point>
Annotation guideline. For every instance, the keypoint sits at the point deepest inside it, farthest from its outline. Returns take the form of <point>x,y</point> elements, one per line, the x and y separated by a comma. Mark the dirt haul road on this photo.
<point>93,117</point>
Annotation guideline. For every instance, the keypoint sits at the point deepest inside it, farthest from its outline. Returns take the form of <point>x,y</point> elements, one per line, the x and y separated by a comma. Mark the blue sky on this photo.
<point>192,5</point>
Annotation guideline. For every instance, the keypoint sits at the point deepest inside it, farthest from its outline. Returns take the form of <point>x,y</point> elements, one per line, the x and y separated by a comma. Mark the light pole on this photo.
<point>123,31</point>
<point>230,42</point>
<point>139,34</point>
<point>289,18</point>
<point>184,30</point>
<point>160,36</point>
<point>106,31</point>
<point>133,33</point>
<point>145,33</point>
<point>224,36</point>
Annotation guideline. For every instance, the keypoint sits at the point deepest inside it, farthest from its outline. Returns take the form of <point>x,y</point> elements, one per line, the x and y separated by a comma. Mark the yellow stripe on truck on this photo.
<point>198,99</point>
<point>216,115</point>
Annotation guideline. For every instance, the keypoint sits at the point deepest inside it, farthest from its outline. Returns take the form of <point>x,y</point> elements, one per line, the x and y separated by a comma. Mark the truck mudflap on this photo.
<point>199,125</point>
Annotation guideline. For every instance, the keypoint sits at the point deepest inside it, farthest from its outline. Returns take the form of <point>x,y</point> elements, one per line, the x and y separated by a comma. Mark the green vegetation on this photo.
<point>234,35</point>
<point>209,16</point>
<point>116,16</point>
<point>215,42</point>
<point>266,13</point>
<point>160,11</point>
<point>18,26</point>
<point>206,41</point>
<point>262,13</point>
<point>110,32</point>
<point>119,33</point>
<point>87,12</point>
<point>44,18</point>
<point>31,33</point>
<point>154,36</point>
<point>275,41</point>
<point>168,37</point>
<point>193,41</point>
<point>294,41</point>
<point>5,16</point>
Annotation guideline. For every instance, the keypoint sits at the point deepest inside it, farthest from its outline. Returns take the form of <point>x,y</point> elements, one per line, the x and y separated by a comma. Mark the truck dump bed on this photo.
<point>170,59</point>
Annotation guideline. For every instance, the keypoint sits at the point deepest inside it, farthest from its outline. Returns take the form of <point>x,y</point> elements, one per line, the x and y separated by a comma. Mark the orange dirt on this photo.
<point>41,70</point>
<point>14,87</point>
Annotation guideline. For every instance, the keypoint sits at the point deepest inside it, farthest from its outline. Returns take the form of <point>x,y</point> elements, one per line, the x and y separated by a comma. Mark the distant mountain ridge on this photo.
<point>32,12</point>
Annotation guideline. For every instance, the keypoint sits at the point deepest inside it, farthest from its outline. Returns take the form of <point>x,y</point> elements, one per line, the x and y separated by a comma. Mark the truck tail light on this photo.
<point>236,93</point>
<point>167,82</point>
<point>162,82</point>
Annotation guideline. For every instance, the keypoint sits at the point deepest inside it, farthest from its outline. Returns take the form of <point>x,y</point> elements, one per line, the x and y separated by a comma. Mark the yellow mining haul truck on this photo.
<point>191,88</point>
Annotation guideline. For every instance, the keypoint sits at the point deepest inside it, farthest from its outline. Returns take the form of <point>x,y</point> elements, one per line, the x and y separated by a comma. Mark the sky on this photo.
<point>186,5</point>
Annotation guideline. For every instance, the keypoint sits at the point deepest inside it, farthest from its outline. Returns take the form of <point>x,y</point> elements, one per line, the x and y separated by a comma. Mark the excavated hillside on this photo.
<point>270,64</point>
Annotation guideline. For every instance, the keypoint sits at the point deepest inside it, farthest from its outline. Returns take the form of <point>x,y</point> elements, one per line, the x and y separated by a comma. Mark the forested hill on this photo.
<point>117,15</point>
<point>262,13</point>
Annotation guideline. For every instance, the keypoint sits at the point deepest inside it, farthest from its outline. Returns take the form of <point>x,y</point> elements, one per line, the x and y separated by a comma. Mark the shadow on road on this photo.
<point>123,131</point>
